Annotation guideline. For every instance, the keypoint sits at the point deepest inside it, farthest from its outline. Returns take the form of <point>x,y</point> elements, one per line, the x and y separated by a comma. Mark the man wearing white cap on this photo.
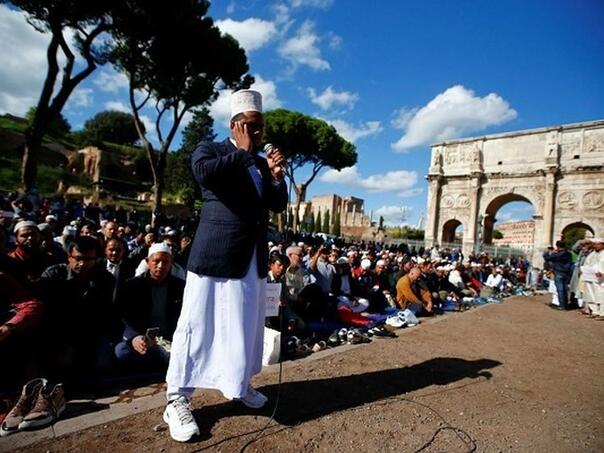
<point>150,304</point>
<point>593,294</point>
<point>219,337</point>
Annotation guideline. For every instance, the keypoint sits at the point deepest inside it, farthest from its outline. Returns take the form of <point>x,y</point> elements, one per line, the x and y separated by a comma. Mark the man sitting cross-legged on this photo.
<point>410,295</point>
<point>150,305</point>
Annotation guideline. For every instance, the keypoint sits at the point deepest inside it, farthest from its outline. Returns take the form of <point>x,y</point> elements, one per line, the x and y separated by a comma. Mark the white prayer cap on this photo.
<point>365,264</point>
<point>271,243</point>
<point>380,263</point>
<point>300,244</point>
<point>245,101</point>
<point>159,247</point>
<point>69,231</point>
<point>44,227</point>
<point>25,223</point>
<point>351,253</point>
<point>50,217</point>
<point>104,222</point>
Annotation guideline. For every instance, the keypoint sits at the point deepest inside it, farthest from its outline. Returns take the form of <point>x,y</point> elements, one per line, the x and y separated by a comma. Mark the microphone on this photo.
<point>269,147</point>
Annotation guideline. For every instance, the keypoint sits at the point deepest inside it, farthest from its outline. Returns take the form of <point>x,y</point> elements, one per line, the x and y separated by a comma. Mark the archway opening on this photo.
<point>508,221</point>
<point>452,232</point>
<point>576,231</point>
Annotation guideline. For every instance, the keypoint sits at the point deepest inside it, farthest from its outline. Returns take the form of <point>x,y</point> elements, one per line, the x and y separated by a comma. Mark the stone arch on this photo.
<point>488,222</point>
<point>575,225</point>
<point>556,169</point>
<point>448,230</point>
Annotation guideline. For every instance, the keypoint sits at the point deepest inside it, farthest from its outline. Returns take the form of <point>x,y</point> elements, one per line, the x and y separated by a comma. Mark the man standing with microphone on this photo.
<point>218,341</point>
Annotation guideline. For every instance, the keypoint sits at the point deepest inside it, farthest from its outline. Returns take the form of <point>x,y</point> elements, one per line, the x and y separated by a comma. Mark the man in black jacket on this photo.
<point>150,305</point>
<point>81,321</point>
<point>561,263</point>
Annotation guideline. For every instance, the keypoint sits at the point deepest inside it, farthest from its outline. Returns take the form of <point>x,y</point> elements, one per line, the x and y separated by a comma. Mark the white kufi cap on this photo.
<point>159,247</point>
<point>245,101</point>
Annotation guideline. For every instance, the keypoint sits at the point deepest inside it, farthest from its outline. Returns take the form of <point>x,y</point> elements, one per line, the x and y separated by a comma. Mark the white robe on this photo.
<point>219,336</point>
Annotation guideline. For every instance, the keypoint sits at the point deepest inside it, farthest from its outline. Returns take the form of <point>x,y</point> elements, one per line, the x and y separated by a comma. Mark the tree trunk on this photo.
<point>160,183</point>
<point>29,166</point>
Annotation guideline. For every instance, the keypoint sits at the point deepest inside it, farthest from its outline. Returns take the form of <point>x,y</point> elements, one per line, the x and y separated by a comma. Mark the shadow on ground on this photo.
<point>303,401</point>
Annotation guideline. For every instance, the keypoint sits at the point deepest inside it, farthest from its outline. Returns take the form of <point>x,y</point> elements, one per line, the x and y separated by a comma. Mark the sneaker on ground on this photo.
<point>180,420</point>
<point>48,407</point>
<point>25,403</point>
<point>253,399</point>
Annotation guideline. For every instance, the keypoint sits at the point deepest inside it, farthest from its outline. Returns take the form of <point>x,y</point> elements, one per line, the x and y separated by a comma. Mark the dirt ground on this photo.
<point>515,376</point>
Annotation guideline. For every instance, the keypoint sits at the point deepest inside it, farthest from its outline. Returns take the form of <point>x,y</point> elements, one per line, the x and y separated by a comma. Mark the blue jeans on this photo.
<point>561,281</point>
<point>156,357</point>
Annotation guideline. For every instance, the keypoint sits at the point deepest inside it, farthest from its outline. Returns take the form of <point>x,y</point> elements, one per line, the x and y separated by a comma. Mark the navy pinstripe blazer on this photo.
<point>234,218</point>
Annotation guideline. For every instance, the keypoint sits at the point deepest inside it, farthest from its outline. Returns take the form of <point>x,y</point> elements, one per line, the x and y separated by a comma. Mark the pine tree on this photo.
<point>336,225</point>
<point>311,223</point>
<point>326,225</point>
<point>318,223</point>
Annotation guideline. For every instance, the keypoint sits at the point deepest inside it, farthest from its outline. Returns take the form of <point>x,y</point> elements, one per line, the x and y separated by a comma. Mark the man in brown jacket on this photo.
<point>410,295</point>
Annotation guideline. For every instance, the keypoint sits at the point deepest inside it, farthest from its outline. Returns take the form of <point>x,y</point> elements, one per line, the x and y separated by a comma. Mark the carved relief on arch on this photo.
<point>463,201</point>
<point>567,200</point>
<point>593,199</point>
<point>447,201</point>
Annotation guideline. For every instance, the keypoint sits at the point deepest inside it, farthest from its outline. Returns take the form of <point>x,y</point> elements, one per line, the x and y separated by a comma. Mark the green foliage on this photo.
<point>497,234</point>
<point>311,224</point>
<point>406,232</point>
<point>573,235</point>
<point>318,224</point>
<point>110,126</point>
<point>307,140</point>
<point>326,226</point>
<point>381,223</point>
<point>336,225</point>
<point>200,128</point>
<point>58,126</point>
<point>177,57</point>
<point>179,177</point>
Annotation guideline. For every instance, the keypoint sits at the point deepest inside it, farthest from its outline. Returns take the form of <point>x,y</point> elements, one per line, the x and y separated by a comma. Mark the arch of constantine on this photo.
<point>558,170</point>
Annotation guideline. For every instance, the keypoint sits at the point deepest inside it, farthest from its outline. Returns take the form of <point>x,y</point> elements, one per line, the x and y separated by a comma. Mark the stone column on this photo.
<point>548,208</point>
<point>431,233</point>
<point>470,236</point>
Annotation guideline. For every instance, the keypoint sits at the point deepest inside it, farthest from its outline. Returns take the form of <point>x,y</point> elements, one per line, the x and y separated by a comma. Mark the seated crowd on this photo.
<point>94,296</point>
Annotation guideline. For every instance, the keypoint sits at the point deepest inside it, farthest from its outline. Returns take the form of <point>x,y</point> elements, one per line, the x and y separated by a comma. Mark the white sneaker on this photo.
<point>253,398</point>
<point>180,420</point>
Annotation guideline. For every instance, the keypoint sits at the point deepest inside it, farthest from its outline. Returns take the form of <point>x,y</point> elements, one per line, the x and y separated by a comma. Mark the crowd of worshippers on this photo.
<point>92,295</point>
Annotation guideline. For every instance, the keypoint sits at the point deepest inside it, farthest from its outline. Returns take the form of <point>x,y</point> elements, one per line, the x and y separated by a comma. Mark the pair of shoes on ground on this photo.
<point>178,414</point>
<point>39,405</point>
<point>381,331</point>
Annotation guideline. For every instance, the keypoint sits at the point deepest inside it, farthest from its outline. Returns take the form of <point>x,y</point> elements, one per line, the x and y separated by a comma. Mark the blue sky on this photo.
<point>392,77</point>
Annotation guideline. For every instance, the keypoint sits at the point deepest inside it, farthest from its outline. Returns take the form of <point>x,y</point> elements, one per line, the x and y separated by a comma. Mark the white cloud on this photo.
<point>80,97</point>
<point>303,49</point>
<point>117,106</point>
<point>329,98</point>
<point>401,182</point>
<point>393,215</point>
<point>111,81</point>
<point>251,33</point>
<point>451,114</point>
<point>22,69</point>
<point>220,109</point>
<point>335,41</point>
<point>323,4</point>
<point>353,133</point>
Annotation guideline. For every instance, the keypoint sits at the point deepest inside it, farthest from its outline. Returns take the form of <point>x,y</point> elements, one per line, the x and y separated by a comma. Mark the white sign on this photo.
<point>273,293</point>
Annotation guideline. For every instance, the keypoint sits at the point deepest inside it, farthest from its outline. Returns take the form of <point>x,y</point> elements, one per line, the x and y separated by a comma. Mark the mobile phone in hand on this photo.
<point>152,333</point>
